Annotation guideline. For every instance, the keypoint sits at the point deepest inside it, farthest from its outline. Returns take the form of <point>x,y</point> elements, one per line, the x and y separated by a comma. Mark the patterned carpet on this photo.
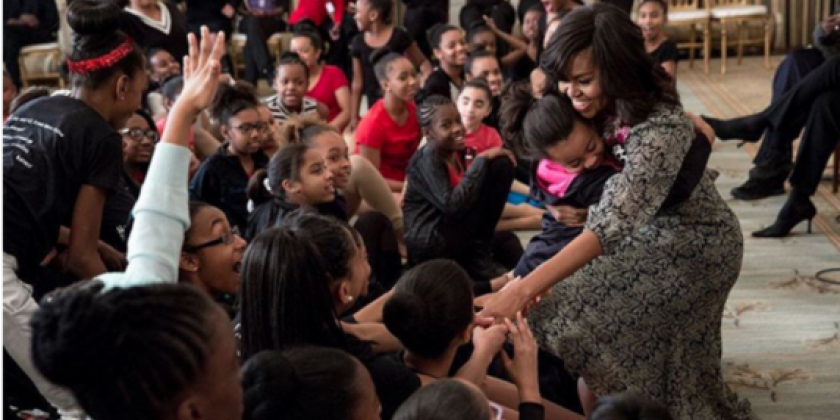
<point>781,328</point>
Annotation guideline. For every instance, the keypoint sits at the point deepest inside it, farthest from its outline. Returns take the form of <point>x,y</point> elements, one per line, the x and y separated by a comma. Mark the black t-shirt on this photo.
<point>117,212</point>
<point>666,51</point>
<point>438,83</point>
<point>209,13</point>
<point>170,33</point>
<point>522,69</point>
<point>51,147</point>
<point>399,43</point>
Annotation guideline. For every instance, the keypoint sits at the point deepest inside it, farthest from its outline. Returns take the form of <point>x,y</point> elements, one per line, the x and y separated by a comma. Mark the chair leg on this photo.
<point>742,28</point>
<point>723,45</point>
<point>692,39</point>
<point>768,35</point>
<point>707,45</point>
<point>836,181</point>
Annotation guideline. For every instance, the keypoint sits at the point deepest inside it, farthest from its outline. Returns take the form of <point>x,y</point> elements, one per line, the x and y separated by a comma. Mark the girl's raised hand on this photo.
<point>201,70</point>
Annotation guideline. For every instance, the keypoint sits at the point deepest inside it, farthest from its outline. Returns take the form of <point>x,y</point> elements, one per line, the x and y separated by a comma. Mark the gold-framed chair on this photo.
<point>40,64</point>
<point>690,13</point>
<point>277,43</point>
<point>742,13</point>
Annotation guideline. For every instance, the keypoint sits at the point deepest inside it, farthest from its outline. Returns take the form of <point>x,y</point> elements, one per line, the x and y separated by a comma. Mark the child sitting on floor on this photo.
<point>451,211</point>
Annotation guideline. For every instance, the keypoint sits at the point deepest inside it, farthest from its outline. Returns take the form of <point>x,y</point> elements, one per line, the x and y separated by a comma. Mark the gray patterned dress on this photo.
<point>646,315</point>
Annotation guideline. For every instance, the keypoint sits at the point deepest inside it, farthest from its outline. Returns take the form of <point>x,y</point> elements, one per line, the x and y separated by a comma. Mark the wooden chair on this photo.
<point>40,63</point>
<point>277,43</point>
<point>690,13</point>
<point>741,13</point>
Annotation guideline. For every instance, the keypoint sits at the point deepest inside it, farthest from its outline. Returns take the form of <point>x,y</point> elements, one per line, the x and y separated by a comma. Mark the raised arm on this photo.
<point>161,214</point>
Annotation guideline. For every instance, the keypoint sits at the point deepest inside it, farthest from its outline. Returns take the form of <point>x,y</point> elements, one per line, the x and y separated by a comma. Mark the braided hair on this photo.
<point>290,58</point>
<point>427,110</point>
<point>125,353</point>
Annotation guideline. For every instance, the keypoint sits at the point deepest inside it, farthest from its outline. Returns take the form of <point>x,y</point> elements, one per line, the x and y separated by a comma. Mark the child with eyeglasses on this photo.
<point>222,180</point>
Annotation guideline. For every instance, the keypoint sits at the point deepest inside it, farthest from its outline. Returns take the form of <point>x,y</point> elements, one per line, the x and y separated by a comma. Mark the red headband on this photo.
<point>102,62</point>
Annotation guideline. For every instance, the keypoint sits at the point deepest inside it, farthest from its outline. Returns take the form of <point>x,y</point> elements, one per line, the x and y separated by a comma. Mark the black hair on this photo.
<point>385,8</point>
<point>444,399</point>
<point>172,87</point>
<point>233,99</point>
<point>629,406</point>
<point>427,110</point>
<point>477,54</point>
<point>481,84</point>
<point>312,35</point>
<point>305,383</point>
<point>629,78</point>
<point>27,95</point>
<point>335,239</point>
<point>195,207</point>
<point>154,50</point>
<point>535,8</point>
<point>476,28</point>
<point>125,353</point>
<point>530,125</point>
<point>662,3</point>
<point>290,58</point>
<point>432,305</point>
<point>147,118</point>
<point>437,31</point>
<point>285,164</point>
<point>285,298</point>
<point>96,32</point>
<point>381,60</point>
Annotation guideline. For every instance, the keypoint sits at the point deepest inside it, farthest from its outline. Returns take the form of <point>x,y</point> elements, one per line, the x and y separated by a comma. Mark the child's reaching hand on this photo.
<point>523,368</point>
<point>201,70</point>
<point>497,152</point>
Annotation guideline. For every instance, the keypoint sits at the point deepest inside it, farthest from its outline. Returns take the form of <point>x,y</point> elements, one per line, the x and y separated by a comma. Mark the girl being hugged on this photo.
<point>291,84</point>
<point>375,21</point>
<point>389,133</point>
<point>327,84</point>
<point>452,206</point>
<point>450,49</point>
<point>222,180</point>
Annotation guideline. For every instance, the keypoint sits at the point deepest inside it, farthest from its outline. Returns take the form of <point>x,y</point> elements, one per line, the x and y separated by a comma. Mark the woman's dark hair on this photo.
<point>530,125</point>
<point>290,58</point>
<point>381,60</point>
<point>385,9</point>
<point>233,99</point>
<point>437,31</point>
<point>477,54</point>
<point>285,298</point>
<point>427,110</point>
<point>629,78</point>
<point>125,353</point>
<point>662,3</point>
<point>336,240</point>
<point>27,95</point>
<point>147,118</point>
<point>481,84</point>
<point>431,306</point>
<point>172,87</point>
<point>285,164</point>
<point>444,399</point>
<point>629,406</point>
<point>195,207</point>
<point>538,8</point>
<point>313,37</point>
<point>305,383</point>
<point>96,32</point>
<point>303,129</point>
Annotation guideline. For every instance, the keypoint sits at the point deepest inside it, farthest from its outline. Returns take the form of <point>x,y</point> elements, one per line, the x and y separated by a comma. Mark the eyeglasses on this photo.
<point>226,239</point>
<point>496,410</point>
<point>137,134</point>
<point>249,128</point>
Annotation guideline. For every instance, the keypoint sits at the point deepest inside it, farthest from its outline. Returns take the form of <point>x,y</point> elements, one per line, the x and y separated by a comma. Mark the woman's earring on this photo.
<point>349,298</point>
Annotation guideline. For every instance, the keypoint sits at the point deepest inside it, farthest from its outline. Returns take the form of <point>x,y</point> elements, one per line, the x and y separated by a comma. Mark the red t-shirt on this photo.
<point>396,144</point>
<point>456,173</point>
<point>332,79</point>
<point>316,11</point>
<point>484,138</point>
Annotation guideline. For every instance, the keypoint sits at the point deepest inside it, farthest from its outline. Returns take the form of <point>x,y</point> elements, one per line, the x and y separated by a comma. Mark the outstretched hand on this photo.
<point>505,303</point>
<point>201,70</point>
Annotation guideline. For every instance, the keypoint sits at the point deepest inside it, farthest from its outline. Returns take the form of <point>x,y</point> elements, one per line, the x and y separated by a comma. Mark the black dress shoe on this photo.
<point>790,216</point>
<point>748,128</point>
<point>756,190</point>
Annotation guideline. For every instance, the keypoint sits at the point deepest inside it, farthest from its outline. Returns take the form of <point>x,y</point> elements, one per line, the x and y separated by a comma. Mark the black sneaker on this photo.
<point>756,190</point>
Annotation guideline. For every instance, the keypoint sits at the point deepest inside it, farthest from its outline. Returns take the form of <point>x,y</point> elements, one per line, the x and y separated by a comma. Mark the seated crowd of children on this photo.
<point>217,232</point>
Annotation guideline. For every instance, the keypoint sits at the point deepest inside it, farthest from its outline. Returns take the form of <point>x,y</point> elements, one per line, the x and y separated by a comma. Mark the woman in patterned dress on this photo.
<point>637,298</point>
